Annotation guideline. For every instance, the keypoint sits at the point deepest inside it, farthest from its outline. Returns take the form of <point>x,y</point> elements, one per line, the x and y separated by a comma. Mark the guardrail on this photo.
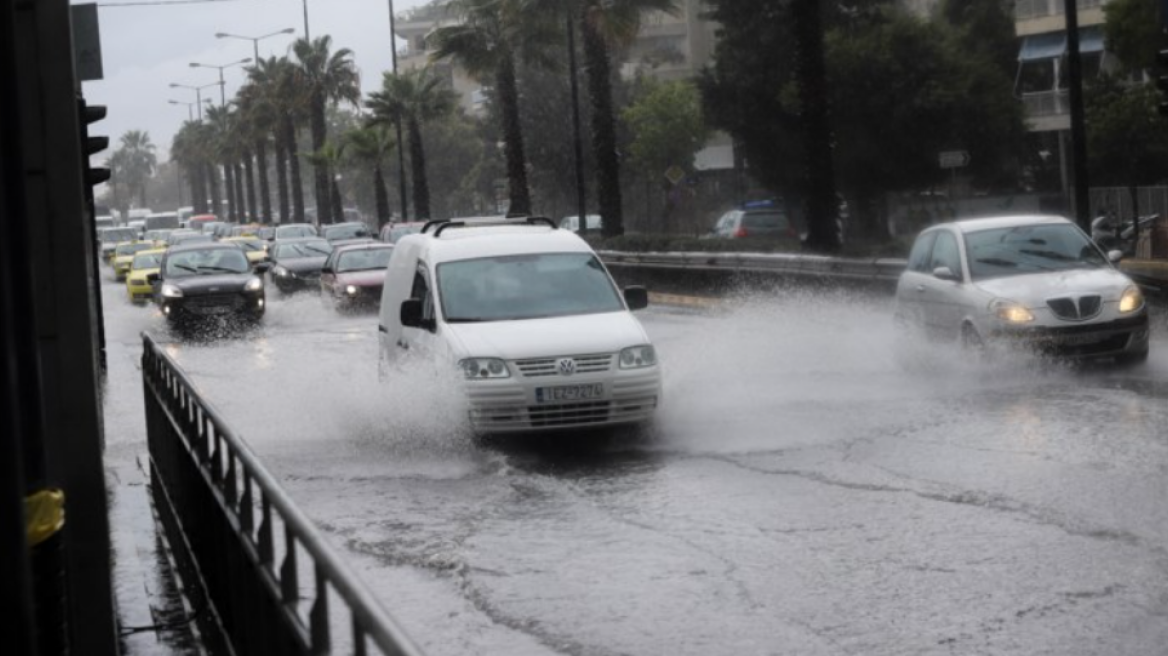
<point>209,488</point>
<point>790,264</point>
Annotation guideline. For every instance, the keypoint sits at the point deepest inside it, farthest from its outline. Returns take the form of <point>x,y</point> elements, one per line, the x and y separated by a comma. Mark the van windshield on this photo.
<point>532,286</point>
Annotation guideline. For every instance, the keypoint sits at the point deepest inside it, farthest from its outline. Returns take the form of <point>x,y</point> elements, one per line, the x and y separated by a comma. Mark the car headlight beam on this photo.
<point>484,368</point>
<point>637,357</point>
<point>1011,311</point>
<point>351,290</point>
<point>1132,300</point>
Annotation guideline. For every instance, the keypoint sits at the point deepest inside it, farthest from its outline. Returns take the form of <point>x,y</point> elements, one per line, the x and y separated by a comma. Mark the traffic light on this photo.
<point>90,145</point>
<point>1162,80</point>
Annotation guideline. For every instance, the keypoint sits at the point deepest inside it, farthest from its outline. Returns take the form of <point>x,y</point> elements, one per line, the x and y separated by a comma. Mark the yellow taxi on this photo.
<point>255,248</point>
<point>124,256</point>
<point>144,263</point>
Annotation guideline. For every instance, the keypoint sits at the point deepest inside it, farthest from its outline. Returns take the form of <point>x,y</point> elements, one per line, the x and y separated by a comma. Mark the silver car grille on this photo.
<point>585,364</point>
<point>1076,309</point>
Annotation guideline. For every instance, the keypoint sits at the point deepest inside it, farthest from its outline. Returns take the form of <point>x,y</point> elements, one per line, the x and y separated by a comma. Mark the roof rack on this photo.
<point>517,220</point>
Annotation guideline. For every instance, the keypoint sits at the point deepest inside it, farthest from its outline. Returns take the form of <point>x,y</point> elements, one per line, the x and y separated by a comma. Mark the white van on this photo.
<point>528,312</point>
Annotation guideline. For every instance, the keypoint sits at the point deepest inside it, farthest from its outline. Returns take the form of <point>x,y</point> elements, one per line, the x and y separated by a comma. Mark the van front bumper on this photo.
<point>512,405</point>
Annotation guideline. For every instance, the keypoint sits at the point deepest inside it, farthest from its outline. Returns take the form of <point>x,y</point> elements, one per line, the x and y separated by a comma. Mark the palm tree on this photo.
<point>137,162</point>
<point>258,117</point>
<point>273,101</point>
<point>324,77</point>
<point>329,158</point>
<point>223,146</point>
<point>412,97</point>
<point>605,25</point>
<point>371,146</point>
<point>487,39</point>
<point>186,150</point>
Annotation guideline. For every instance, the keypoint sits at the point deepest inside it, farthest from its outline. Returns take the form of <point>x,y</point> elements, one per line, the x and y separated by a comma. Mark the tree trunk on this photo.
<point>821,208</point>
<point>520,203</point>
<point>265,191</point>
<point>418,170</point>
<point>237,171</point>
<point>282,180</point>
<point>249,172</point>
<point>1133,192</point>
<point>198,180</point>
<point>229,193</point>
<point>212,173</point>
<point>381,195</point>
<point>335,201</point>
<point>294,180</point>
<point>597,68</point>
<point>142,195</point>
<point>320,171</point>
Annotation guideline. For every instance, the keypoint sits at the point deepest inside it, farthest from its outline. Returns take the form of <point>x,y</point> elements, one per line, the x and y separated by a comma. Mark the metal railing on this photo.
<point>1047,103</point>
<point>1030,9</point>
<point>210,489</point>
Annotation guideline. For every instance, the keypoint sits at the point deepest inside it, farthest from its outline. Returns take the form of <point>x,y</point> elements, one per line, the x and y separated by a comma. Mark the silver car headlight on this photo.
<point>1010,311</point>
<point>636,357</point>
<point>1132,300</point>
<point>171,291</point>
<point>254,285</point>
<point>479,368</point>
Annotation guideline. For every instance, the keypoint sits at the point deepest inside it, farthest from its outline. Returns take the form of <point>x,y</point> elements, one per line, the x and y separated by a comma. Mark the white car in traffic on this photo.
<point>528,312</point>
<point>1036,281</point>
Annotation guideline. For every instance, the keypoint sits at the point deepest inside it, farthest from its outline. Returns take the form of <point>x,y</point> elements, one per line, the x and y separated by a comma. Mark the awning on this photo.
<point>1090,40</point>
<point>1043,46</point>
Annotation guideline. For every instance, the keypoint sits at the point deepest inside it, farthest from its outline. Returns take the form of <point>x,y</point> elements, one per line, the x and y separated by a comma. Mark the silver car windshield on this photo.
<point>525,287</point>
<point>1030,249</point>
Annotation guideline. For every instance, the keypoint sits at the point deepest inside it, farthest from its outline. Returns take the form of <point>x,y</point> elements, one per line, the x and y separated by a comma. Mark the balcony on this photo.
<point>1046,103</point>
<point>1025,10</point>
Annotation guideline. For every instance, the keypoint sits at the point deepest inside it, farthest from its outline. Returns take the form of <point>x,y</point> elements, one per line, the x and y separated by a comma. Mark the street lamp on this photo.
<point>190,107</point>
<point>255,40</point>
<point>401,157</point>
<point>222,93</point>
<point>198,93</point>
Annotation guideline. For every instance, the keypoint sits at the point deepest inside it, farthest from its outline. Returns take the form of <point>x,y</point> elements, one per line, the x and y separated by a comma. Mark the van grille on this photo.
<point>585,364</point>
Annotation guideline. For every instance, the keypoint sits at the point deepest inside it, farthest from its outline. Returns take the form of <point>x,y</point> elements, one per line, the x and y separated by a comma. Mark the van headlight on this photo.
<point>479,368</point>
<point>1011,311</point>
<point>1132,300</point>
<point>254,285</point>
<point>171,291</point>
<point>636,357</point>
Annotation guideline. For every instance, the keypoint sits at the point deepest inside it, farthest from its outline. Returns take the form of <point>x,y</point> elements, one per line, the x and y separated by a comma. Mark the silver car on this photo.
<point>1037,281</point>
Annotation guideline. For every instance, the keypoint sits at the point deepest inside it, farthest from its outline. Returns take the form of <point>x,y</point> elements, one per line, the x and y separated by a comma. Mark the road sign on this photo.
<point>86,42</point>
<point>953,159</point>
<point>674,174</point>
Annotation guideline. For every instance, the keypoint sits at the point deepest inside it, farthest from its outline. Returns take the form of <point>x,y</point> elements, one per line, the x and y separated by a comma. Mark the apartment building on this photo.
<point>668,47</point>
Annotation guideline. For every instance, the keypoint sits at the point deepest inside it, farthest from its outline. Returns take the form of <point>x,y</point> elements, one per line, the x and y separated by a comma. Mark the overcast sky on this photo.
<point>148,44</point>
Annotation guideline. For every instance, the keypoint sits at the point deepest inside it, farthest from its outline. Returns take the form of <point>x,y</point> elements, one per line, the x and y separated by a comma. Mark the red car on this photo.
<point>354,274</point>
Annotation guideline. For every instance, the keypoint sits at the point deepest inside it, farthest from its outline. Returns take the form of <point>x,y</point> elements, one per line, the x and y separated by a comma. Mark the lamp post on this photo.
<point>305,3</point>
<point>255,40</point>
<point>198,93</point>
<point>190,108</point>
<point>222,93</point>
<point>401,158</point>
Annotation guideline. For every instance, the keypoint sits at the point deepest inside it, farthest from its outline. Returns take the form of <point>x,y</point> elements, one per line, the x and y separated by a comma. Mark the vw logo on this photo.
<point>567,366</point>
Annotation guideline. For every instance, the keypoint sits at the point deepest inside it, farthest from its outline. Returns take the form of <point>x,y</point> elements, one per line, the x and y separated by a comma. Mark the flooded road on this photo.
<point>804,490</point>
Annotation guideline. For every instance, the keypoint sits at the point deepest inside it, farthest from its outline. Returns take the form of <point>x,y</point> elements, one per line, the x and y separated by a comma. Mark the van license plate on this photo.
<point>569,393</point>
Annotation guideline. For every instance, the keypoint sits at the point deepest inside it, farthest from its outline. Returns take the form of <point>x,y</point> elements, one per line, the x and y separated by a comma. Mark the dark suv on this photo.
<point>203,281</point>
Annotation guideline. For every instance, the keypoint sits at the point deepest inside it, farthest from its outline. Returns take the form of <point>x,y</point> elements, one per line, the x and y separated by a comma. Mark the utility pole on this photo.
<point>578,147</point>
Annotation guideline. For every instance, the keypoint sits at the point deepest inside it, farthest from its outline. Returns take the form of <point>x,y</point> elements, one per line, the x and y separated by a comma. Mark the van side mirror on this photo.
<point>636,297</point>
